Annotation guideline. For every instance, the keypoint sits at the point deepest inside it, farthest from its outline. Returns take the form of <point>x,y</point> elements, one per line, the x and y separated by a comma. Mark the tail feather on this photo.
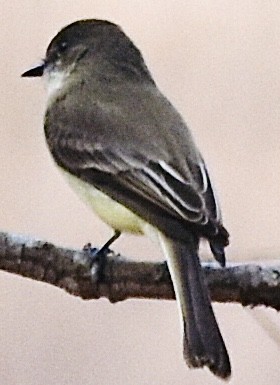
<point>203,343</point>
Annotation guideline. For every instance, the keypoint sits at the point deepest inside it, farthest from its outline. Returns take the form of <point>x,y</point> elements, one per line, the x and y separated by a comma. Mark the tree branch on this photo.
<point>248,284</point>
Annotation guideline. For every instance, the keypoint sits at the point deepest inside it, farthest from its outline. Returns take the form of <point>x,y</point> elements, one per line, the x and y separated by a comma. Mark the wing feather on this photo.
<point>161,188</point>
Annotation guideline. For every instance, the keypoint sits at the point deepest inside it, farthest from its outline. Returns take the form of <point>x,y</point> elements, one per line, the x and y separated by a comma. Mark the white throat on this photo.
<point>55,81</point>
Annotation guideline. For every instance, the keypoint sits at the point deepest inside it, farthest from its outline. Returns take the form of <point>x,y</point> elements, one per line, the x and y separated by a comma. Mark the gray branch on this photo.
<point>248,284</point>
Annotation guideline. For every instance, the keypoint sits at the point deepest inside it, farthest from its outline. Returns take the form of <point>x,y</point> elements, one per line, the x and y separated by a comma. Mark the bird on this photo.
<point>129,154</point>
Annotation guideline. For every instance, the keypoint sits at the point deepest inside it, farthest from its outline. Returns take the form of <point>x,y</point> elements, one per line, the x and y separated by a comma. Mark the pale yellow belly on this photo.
<point>114,214</point>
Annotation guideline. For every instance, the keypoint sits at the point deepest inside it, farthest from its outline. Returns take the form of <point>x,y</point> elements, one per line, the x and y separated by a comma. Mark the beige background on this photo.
<point>218,62</point>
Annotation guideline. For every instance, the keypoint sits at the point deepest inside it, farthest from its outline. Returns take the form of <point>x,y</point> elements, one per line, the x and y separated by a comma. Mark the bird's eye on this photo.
<point>63,46</point>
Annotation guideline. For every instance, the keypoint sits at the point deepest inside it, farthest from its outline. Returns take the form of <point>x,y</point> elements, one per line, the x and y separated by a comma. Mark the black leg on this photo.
<point>98,257</point>
<point>105,248</point>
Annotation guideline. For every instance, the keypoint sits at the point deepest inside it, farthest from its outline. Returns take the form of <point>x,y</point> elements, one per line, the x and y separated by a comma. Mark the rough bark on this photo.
<point>248,284</point>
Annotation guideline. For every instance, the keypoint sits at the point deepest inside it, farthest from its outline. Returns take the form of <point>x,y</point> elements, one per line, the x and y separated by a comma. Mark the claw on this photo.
<point>98,257</point>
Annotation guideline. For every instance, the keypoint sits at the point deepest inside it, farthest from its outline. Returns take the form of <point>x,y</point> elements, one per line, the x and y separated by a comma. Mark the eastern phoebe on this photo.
<point>126,150</point>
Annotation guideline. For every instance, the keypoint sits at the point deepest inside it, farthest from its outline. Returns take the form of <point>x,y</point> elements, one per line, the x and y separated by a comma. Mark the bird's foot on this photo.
<point>98,258</point>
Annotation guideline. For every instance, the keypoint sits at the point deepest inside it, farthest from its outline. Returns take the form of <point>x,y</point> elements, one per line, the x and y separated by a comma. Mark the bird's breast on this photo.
<point>111,212</point>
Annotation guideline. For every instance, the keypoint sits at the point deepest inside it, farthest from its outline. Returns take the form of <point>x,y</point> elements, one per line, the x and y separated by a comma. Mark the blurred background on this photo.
<point>218,62</point>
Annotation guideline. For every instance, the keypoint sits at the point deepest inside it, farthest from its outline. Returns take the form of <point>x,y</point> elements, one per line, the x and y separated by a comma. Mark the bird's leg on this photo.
<point>98,257</point>
<point>105,248</point>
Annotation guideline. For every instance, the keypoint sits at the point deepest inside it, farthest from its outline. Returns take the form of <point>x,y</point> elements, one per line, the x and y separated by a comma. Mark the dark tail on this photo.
<point>203,343</point>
